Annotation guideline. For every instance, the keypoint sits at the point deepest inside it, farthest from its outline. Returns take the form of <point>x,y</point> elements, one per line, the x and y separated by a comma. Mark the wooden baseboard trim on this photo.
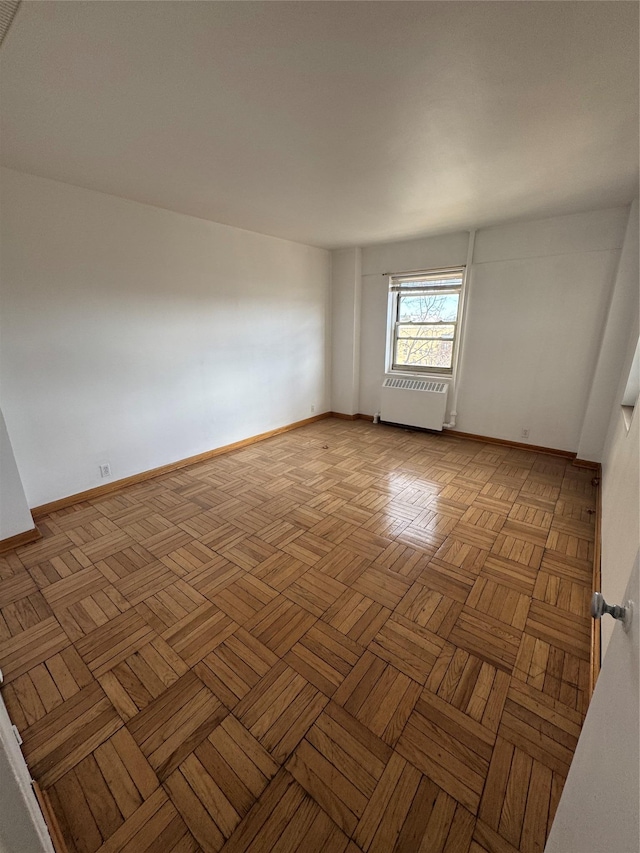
<point>19,539</point>
<point>358,417</point>
<point>59,844</point>
<point>99,491</point>
<point>551,451</point>
<point>585,463</point>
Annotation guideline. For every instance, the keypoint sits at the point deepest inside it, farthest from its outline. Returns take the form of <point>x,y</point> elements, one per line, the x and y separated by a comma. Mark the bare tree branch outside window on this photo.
<point>425,329</point>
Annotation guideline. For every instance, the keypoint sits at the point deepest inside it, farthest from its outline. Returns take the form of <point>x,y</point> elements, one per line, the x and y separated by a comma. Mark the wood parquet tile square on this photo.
<point>324,656</point>
<point>429,609</point>
<point>500,601</point>
<point>339,764</point>
<point>280,709</point>
<point>135,682</point>
<point>235,666</point>
<point>69,733</point>
<point>450,747</point>
<point>553,671</point>
<point>357,616</point>
<point>96,797</point>
<point>172,725</point>
<point>121,564</point>
<point>84,616</point>
<point>210,579</point>
<point>244,597</point>
<point>489,638</point>
<point>471,685</point>
<point>16,586</point>
<point>411,648</point>
<point>77,586</point>
<point>23,613</point>
<point>33,645</point>
<point>163,609</point>
<point>33,695</point>
<point>280,570</point>
<point>531,721</point>
<point>199,632</point>
<point>403,560</point>
<point>315,591</point>
<point>216,785</point>
<point>114,641</point>
<point>387,588</point>
<point>510,573</point>
<point>280,624</point>
<point>379,696</point>
<point>346,638</point>
<point>145,582</point>
<point>48,547</point>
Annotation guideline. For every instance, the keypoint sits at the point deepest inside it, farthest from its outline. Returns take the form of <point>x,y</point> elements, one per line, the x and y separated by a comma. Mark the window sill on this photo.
<point>414,374</point>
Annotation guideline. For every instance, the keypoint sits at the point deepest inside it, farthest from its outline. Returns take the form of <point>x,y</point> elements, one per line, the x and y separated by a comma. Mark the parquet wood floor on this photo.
<point>348,638</point>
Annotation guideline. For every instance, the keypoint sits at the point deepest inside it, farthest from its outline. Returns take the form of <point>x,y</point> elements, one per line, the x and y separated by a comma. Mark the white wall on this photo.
<point>621,459</point>
<point>538,299</point>
<point>14,513</point>
<point>621,318</point>
<point>346,297</point>
<point>139,336</point>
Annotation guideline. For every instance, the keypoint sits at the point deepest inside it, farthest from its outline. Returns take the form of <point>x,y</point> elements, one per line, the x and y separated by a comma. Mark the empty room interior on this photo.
<point>319,449</point>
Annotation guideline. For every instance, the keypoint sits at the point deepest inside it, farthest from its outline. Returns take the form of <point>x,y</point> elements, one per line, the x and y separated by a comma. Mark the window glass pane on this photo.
<point>418,353</point>
<point>443,331</point>
<point>428,308</point>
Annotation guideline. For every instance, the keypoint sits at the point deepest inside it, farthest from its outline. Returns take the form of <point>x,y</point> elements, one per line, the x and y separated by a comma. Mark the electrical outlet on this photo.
<point>525,432</point>
<point>105,470</point>
<point>313,408</point>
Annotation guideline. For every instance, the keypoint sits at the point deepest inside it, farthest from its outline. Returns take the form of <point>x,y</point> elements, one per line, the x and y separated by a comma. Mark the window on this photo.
<point>425,314</point>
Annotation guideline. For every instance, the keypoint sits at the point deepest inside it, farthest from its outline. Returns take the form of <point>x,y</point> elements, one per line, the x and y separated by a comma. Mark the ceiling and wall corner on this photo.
<point>8,9</point>
<point>331,124</point>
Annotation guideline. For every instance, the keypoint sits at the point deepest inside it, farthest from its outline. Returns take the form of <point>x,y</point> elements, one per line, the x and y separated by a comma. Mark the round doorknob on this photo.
<point>621,612</point>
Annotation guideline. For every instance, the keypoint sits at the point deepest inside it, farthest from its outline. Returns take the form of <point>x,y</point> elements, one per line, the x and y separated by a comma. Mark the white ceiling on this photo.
<point>330,123</point>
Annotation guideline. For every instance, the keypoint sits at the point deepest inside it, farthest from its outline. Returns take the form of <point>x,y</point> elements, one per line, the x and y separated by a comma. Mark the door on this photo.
<point>599,807</point>
<point>22,827</point>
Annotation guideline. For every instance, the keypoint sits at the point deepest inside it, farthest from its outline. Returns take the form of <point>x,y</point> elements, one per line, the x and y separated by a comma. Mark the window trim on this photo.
<point>395,291</point>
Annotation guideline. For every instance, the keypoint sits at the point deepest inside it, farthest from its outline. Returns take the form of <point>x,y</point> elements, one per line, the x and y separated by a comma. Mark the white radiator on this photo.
<point>414,402</point>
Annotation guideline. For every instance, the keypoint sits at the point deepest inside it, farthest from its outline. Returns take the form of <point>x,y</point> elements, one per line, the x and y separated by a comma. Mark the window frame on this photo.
<point>396,292</point>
